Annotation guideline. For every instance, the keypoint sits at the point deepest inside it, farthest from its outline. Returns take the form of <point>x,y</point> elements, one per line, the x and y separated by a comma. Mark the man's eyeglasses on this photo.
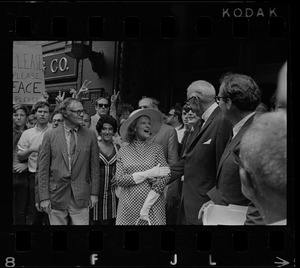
<point>191,99</point>
<point>57,120</point>
<point>102,105</point>
<point>79,112</point>
<point>217,99</point>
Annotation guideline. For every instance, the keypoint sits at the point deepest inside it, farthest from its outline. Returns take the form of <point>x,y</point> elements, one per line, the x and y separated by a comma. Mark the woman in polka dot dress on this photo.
<point>142,171</point>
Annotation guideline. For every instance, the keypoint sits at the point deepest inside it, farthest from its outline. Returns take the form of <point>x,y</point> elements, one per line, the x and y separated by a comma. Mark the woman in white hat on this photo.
<point>142,171</point>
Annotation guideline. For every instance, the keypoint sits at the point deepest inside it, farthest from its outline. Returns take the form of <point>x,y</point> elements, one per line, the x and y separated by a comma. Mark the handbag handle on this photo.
<point>137,221</point>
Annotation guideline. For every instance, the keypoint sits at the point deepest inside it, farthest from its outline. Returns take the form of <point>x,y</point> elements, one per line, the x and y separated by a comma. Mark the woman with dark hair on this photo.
<point>105,211</point>
<point>142,171</point>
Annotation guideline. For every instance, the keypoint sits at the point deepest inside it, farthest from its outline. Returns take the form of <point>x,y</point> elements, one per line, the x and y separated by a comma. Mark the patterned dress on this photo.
<point>106,208</point>
<point>136,157</point>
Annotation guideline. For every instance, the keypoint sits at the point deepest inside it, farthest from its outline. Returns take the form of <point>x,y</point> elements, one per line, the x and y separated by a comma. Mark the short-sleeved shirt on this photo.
<point>31,136</point>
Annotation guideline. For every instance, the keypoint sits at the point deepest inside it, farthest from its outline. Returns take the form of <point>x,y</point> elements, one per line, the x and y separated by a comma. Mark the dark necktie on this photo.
<point>230,138</point>
<point>201,122</point>
<point>72,145</point>
<point>183,141</point>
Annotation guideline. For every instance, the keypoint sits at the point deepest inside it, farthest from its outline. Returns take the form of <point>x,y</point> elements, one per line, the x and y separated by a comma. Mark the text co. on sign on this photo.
<point>59,66</point>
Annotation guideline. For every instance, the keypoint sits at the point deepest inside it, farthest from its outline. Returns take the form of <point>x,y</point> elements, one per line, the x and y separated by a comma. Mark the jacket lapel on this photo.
<point>63,144</point>
<point>200,132</point>
<point>234,143</point>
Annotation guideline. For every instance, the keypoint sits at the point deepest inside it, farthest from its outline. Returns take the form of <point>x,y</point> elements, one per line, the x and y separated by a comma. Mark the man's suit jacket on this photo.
<point>228,184</point>
<point>55,181</point>
<point>199,164</point>
<point>167,137</point>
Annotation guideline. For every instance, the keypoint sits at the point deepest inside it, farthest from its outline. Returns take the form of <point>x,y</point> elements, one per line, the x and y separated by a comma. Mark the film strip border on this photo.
<point>165,246</point>
<point>176,21</point>
<point>159,247</point>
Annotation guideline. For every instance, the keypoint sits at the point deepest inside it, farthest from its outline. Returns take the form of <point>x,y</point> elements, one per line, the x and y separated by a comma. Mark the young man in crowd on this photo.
<point>28,147</point>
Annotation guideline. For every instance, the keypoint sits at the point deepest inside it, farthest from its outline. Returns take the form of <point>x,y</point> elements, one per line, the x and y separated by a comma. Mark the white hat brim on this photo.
<point>156,119</point>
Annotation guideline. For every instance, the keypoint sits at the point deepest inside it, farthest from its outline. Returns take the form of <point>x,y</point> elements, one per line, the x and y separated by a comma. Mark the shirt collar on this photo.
<point>239,125</point>
<point>67,129</point>
<point>209,111</point>
<point>39,129</point>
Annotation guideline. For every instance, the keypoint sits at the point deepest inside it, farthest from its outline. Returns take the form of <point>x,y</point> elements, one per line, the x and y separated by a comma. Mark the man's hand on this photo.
<point>114,96</point>
<point>73,92</point>
<point>45,95</point>
<point>201,211</point>
<point>59,98</point>
<point>93,201</point>
<point>19,167</point>
<point>46,206</point>
<point>38,207</point>
<point>84,89</point>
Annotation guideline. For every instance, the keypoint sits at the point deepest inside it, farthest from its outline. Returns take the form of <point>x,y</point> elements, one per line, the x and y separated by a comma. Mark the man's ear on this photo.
<point>228,103</point>
<point>248,184</point>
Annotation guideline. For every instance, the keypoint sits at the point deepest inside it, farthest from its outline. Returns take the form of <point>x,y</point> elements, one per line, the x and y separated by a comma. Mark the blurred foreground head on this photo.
<point>263,155</point>
<point>282,87</point>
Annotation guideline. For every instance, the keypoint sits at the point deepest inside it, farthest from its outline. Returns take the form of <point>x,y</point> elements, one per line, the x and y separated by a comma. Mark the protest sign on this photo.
<point>28,75</point>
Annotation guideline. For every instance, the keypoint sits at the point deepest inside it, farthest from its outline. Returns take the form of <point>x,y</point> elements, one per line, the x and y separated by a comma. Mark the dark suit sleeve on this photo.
<point>44,168</point>
<point>223,135</point>
<point>172,147</point>
<point>95,166</point>
<point>177,170</point>
<point>253,217</point>
<point>36,184</point>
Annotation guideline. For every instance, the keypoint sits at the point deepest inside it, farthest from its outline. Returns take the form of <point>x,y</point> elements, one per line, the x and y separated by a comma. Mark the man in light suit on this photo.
<point>167,137</point>
<point>239,95</point>
<point>199,162</point>
<point>68,176</point>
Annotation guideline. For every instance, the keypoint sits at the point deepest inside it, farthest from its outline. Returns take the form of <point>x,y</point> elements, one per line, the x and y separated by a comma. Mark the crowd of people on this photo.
<point>123,166</point>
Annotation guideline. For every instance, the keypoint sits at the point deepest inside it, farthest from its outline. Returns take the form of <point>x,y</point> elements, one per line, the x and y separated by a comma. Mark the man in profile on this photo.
<point>202,153</point>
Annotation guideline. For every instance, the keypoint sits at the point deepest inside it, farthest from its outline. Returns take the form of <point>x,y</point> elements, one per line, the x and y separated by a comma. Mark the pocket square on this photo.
<point>207,142</point>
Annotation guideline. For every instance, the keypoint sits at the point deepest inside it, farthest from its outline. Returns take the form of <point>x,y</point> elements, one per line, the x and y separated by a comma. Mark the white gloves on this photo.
<point>156,171</point>
<point>150,200</point>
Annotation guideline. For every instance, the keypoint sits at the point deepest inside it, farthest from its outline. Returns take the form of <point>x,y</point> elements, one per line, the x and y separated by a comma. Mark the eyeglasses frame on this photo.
<point>79,112</point>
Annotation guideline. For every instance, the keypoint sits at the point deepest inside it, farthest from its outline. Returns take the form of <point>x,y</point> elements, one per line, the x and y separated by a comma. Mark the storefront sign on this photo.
<point>28,75</point>
<point>59,66</point>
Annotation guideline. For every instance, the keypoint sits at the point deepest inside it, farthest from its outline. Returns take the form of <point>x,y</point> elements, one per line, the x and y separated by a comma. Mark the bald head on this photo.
<point>263,152</point>
<point>203,88</point>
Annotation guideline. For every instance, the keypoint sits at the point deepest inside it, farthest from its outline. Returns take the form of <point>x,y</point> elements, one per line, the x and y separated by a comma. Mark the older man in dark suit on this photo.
<point>238,98</point>
<point>68,177</point>
<point>201,157</point>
